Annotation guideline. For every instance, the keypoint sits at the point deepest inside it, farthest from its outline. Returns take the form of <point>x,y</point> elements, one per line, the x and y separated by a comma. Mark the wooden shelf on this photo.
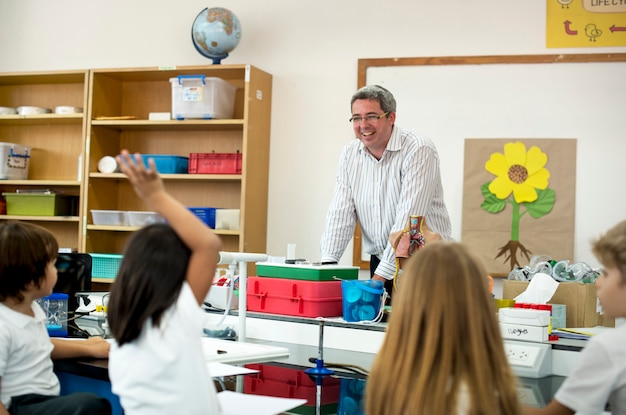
<point>174,125</point>
<point>41,119</point>
<point>110,228</point>
<point>182,177</point>
<point>41,218</point>
<point>69,183</point>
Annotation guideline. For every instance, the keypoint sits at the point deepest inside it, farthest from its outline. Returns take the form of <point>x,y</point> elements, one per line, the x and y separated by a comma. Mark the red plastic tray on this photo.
<point>215,163</point>
<point>285,382</point>
<point>294,297</point>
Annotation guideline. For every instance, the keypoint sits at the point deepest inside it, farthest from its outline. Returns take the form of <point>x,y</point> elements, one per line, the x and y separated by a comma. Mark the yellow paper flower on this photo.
<point>519,172</point>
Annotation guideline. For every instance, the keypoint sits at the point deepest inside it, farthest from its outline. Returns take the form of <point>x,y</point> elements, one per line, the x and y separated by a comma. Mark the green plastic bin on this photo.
<point>307,272</point>
<point>40,204</point>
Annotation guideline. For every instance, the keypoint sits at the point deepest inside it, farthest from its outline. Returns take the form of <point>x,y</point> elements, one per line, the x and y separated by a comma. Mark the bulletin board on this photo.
<point>577,97</point>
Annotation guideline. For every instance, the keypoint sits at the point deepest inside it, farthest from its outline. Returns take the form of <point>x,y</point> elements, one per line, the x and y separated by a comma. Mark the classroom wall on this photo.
<point>311,48</point>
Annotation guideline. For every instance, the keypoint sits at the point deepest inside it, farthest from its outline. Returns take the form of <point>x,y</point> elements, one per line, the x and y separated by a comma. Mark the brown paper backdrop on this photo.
<point>552,234</point>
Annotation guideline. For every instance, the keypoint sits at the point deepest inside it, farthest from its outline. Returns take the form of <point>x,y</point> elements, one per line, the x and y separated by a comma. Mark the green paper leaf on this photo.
<point>491,203</point>
<point>543,205</point>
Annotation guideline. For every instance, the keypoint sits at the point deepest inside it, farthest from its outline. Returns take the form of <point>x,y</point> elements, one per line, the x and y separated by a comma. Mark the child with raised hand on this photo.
<point>443,352</point>
<point>28,384</point>
<point>600,374</point>
<point>157,364</point>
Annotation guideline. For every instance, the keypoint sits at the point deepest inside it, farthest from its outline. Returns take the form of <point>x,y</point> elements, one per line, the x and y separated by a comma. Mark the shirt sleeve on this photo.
<point>586,390</point>
<point>341,216</point>
<point>5,339</point>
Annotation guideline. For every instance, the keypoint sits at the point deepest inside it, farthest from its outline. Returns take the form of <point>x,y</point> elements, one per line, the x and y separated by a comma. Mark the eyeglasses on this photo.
<point>369,118</point>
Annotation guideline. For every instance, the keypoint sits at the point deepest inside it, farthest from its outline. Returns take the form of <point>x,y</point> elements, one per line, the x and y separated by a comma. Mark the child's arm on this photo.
<point>199,238</point>
<point>95,347</point>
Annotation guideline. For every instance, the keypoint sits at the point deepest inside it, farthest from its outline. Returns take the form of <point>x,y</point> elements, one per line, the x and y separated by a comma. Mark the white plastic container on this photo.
<point>195,96</point>
<point>139,218</point>
<point>227,219</point>
<point>110,217</point>
<point>67,109</point>
<point>7,111</point>
<point>29,110</point>
<point>14,161</point>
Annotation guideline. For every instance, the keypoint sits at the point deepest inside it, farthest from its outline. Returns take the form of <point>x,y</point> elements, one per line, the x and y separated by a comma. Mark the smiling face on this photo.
<point>611,291</point>
<point>373,134</point>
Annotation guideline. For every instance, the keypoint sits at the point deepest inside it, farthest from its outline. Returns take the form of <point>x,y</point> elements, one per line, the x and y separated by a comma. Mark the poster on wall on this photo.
<point>519,200</point>
<point>585,23</point>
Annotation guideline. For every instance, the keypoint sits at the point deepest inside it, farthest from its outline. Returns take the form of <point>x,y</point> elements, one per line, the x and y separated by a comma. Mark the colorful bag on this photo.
<point>406,242</point>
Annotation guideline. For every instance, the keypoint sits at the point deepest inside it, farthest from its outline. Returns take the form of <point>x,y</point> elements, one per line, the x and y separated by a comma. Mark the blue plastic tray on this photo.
<point>168,164</point>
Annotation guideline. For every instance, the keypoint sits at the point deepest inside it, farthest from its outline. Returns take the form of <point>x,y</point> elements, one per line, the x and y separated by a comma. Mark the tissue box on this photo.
<point>524,316</point>
<point>579,300</point>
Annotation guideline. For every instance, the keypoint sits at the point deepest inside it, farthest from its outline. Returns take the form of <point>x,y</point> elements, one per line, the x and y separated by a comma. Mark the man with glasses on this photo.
<point>385,176</point>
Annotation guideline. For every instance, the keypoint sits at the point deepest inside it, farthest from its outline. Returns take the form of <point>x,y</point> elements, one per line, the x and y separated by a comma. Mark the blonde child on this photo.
<point>443,352</point>
<point>28,384</point>
<point>600,375</point>
<point>157,364</point>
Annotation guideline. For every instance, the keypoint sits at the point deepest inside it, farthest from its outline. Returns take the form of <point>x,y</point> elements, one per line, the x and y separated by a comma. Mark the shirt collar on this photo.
<point>22,320</point>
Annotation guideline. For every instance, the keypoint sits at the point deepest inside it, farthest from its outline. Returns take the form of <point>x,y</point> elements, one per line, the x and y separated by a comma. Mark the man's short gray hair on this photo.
<point>377,93</point>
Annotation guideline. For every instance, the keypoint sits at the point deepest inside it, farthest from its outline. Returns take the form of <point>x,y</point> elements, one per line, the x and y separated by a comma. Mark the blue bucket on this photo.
<point>361,299</point>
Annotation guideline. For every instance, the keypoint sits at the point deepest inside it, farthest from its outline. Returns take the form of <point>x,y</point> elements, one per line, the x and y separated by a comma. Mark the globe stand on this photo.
<point>217,59</point>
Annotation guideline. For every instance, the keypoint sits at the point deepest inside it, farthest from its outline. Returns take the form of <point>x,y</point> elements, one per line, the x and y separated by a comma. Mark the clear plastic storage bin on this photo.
<point>139,218</point>
<point>195,96</point>
<point>14,161</point>
<point>110,217</point>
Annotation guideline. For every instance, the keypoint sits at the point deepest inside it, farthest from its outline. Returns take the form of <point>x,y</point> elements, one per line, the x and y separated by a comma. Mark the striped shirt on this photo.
<point>382,194</point>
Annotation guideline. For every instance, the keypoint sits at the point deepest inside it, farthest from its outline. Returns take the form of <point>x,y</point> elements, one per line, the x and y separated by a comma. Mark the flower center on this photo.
<point>518,174</point>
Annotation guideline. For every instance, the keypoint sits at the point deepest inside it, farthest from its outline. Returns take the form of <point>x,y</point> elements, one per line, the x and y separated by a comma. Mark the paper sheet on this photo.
<point>217,370</point>
<point>234,403</point>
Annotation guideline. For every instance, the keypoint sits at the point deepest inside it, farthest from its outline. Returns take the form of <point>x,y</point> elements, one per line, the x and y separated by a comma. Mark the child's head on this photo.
<point>26,250</point>
<point>442,333</point>
<point>443,297</point>
<point>148,282</point>
<point>610,248</point>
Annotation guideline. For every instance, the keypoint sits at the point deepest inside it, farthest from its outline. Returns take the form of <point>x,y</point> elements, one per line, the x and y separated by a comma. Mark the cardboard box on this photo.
<point>580,301</point>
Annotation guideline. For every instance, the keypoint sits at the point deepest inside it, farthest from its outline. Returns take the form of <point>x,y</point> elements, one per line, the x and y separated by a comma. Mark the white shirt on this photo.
<point>599,376</point>
<point>382,194</point>
<point>25,347</point>
<point>164,370</point>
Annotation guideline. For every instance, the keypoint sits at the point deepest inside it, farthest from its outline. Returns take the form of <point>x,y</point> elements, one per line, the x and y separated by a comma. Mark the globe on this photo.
<point>215,33</point>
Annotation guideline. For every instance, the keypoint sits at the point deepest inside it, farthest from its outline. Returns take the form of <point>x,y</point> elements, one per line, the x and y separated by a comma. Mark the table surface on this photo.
<point>340,392</point>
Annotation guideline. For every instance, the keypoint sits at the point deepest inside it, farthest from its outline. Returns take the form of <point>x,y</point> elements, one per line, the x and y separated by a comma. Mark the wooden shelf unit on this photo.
<point>57,141</point>
<point>137,92</point>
